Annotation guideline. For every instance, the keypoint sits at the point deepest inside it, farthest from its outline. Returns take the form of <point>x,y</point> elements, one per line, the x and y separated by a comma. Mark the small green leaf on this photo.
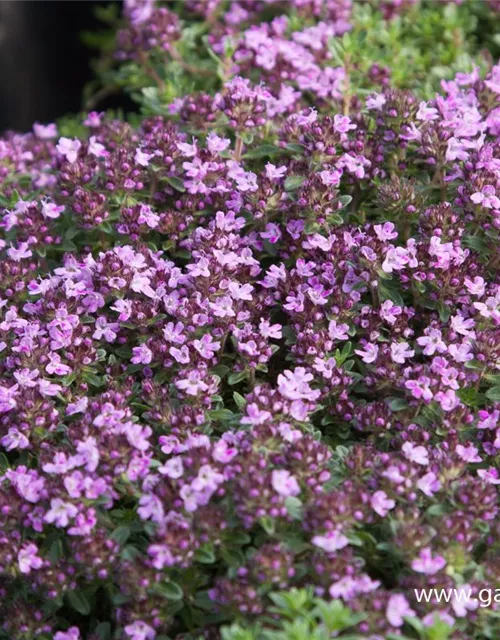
<point>398,404</point>
<point>4,463</point>
<point>493,394</point>
<point>172,591</point>
<point>55,552</point>
<point>239,400</point>
<point>176,183</point>
<point>468,396</point>
<point>103,631</point>
<point>295,148</point>
<point>345,200</point>
<point>220,415</point>
<point>263,151</point>
<point>79,602</point>
<point>233,557</point>
<point>294,507</point>
<point>234,378</point>
<point>205,555</point>
<point>335,219</point>
<point>294,182</point>
<point>121,535</point>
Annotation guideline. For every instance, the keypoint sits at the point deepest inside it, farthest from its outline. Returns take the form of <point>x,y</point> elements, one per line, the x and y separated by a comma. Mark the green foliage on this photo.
<point>428,42</point>
<point>298,615</point>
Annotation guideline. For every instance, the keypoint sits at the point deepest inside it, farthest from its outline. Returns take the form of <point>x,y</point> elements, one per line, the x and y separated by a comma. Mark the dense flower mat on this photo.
<point>250,341</point>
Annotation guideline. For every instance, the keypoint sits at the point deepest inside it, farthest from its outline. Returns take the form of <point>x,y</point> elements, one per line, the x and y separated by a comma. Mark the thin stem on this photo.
<point>347,88</point>
<point>375,297</point>
<point>238,149</point>
<point>189,67</point>
<point>100,95</point>
<point>151,72</point>
<point>252,377</point>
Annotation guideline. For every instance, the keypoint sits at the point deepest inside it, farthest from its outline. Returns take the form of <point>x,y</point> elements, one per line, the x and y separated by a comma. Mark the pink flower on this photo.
<point>142,158</point>
<point>188,150</point>
<point>69,148</point>
<point>456,150</point>
<point>181,355</point>
<point>376,101</point>
<point>216,144</point>
<point>448,400</point>
<point>148,217</point>
<point>427,563</point>
<point>79,406</point>
<point>206,347</point>
<point>417,454</point>
<point>255,416</point>
<point>268,330</point>
<point>349,587</point>
<point>93,119</point>
<point>21,252</point>
<point>476,286</point>
<point>139,630</point>
<point>73,633</point>
<point>331,541</point>
<point>192,384</point>
<point>51,209</point>
<point>141,355</point>
<point>432,342</point>
<point>151,508</point>
<point>60,512</point>
<point>284,483</point>
<point>461,352</point>
<point>486,197</point>
<point>338,331</point>
<point>173,468</point>
<point>426,113</point>
<point>14,439</point>
<point>273,172</point>
<point>27,558</point>
<point>390,312</point>
<point>105,329</point>
<point>398,609</point>
<point>429,484</point>
<point>88,453</point>
<point>386,231</point>
<point>381,503</point>
<point>420,388</point>
<point>224,452</point>
<point>161,556</point>
<point>400,351</point>
<point>330,178</point>
<point>294,385</point>
<point>47,388</point>
<point>491,475</point>
<point>97,149</point>
<point>354,164</point>
<point>369,354</point>
<point>342,124</point>
<point>393,474</point>
<point>223,307</point>
<point>461,606</point>
<point>56,366</point>
<point>27,484</point>
<point>272,233</point>
<point>27,378</point>
<point>395,259</point>
<point>468,454</point>
<point>45,131</point>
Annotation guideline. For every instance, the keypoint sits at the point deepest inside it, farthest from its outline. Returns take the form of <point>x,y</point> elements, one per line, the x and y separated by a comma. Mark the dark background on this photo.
<point>43,63</point>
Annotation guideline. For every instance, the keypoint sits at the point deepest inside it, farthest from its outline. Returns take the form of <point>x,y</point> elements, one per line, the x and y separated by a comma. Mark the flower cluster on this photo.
<point>251,342</point>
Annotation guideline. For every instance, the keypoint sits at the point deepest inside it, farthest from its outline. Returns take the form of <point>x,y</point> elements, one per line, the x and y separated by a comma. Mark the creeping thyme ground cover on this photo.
<point>250,334</point>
